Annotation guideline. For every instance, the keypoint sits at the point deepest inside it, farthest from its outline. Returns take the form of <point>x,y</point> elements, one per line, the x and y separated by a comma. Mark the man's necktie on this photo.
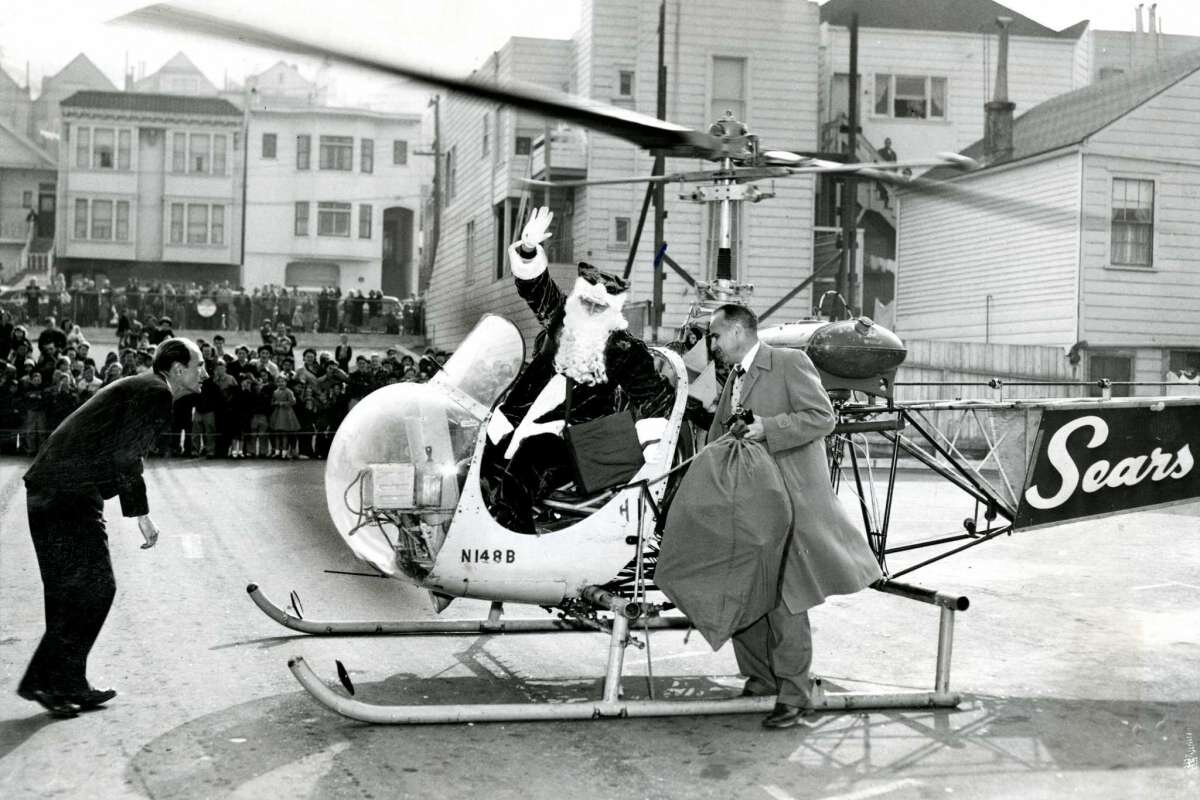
<point>736,395</point>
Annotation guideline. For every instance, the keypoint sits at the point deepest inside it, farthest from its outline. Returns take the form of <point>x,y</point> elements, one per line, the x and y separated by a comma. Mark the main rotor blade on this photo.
<point>819,166</point>
<point>737,173</point>
<point>640,129</point>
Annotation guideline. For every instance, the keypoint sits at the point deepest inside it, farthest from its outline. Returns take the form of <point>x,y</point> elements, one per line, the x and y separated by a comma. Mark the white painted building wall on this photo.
<point>1000,269</point>
<point>1038,68</point>
<point>275,185</point>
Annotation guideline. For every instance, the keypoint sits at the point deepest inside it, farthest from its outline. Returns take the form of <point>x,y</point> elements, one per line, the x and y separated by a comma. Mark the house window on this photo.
<point>83,148</point>
<point>337,152</point>
<point>179,152</point>
<point>301,228</point>
<point>102,219</point>
<point>364,221</point>
<point>123,149</point>
<point>910,96</point>
<point>198,153</point>
<point>625,83</point>
<point>487,129</point>
<point>1110,72</point>
<point>1132,222</point>
<point>333,219</point>
<point>506,226</point>
<point>268,145</point>
<point>81,219</point>
<point>303,151</point>
<point>218,161</point>
<point>27,199</point>
<point>399,151</point>
<point>728,88</point>
<point>1115,367</point>
<point>524,145</point>
<point>366,158</point>
<point>217,228</point>
<point>621,232</point>
<point>176,235</point>
<point>122,231</point>
<point>102,148</point>
<point>470,238</point>
<point>1184,361</point>
<point>197,223</point>
<point>451,173</point>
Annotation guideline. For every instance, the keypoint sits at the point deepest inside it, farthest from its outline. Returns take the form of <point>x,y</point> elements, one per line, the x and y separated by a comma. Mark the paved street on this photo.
<point>1078,662</point>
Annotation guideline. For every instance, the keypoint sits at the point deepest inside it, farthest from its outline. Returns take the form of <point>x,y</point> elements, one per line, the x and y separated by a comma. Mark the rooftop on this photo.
<point>160,103</point>
<point>1072,117</point>
<point>960,16</point>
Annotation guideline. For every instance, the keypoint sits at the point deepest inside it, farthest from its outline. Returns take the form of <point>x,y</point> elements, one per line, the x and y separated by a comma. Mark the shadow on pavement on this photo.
<point>289,744</point>
<point>14,732</point>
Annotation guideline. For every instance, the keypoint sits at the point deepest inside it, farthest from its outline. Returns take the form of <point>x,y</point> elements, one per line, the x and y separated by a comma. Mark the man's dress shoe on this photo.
<point>785,715</point>
<point>57,704</point>
<point>92,698</point>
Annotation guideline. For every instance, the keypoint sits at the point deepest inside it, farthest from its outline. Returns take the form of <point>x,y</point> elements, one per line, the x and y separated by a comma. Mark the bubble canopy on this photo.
<point>392,475</point>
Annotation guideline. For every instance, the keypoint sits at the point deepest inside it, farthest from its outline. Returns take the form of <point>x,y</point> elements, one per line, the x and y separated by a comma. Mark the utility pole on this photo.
<point>660,212</point>
<point>431,254</point>
<point>847,281</point>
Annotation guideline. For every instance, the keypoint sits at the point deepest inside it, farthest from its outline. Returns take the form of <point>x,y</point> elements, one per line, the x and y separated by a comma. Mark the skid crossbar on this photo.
<point>612,705</point>
<point>494,624</point>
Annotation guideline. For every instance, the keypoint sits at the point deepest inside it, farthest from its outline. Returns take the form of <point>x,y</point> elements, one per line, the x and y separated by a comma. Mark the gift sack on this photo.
<point>724,539</point>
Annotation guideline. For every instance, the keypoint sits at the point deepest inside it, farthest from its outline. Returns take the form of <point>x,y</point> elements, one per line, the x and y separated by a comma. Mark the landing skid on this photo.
<point>611,704</point>
<point>493,624</point>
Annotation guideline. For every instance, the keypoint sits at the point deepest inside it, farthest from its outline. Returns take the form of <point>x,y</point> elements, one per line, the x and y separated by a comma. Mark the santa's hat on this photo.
<point>601,288</point>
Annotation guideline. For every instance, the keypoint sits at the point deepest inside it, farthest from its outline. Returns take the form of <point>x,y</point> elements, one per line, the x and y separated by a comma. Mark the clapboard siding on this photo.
<point>779,41</point>
<point>951,255</point>
<point>1157,306</point>
<point>1038,69</point>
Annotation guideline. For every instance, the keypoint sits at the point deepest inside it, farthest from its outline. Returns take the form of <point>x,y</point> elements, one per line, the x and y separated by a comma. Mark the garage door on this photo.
<point>312,274</point>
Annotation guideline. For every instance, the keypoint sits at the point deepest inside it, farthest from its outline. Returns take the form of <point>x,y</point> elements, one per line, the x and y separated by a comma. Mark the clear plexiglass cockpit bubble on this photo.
<point>394,471</point>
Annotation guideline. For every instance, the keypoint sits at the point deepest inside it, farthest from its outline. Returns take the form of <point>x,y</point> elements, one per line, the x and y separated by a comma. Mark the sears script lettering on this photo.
<point>1100,474</point>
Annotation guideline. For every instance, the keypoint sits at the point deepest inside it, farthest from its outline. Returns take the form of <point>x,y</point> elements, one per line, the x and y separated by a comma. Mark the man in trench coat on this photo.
<point>827,554</point>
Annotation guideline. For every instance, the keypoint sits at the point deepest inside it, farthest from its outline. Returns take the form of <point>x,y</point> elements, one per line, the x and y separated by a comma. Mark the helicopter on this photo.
<point>402,479</point>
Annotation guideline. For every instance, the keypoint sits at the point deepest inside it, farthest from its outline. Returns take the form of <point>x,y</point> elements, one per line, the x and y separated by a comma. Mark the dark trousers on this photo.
<point>775,653</point>
<point>78,582</point>
<point>540,465</point>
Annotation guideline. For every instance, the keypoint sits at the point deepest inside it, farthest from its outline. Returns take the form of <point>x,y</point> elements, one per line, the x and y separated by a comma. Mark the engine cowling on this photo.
<point>853,348</point>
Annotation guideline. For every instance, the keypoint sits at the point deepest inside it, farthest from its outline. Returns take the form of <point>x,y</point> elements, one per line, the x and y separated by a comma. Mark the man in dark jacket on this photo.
<point>582,356</point>
<point>95,454</point>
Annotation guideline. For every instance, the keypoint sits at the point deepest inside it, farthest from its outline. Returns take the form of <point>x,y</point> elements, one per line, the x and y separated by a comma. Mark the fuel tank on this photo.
<point>852,348</point>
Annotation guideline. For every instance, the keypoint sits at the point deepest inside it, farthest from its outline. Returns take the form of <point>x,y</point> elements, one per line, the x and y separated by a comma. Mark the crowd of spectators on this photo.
<point>218,306</point>
<point>263,399</point>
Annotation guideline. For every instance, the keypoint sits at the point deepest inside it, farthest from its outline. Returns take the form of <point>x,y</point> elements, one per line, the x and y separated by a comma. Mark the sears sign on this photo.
<point>1091,462</point>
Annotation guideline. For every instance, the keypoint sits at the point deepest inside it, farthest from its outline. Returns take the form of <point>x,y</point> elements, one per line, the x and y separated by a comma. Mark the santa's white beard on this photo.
<point>584,336</point>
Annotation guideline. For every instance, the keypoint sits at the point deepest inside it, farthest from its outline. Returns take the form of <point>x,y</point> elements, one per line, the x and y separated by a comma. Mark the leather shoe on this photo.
<point>57,704</point>
<point>92,698</point>
<point>785,715</point>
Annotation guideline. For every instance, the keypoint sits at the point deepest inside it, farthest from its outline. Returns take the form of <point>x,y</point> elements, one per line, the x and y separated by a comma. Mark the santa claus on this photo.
<point>584,356</point>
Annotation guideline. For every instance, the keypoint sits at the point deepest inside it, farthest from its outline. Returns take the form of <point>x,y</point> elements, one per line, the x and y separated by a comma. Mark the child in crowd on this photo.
<point>284,422</point>
<point>242,410</point>
<point>260,418</point>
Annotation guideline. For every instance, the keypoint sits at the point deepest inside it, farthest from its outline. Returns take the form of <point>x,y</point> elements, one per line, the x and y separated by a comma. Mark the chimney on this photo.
<point>1138,12</point>
<point>998,113</point>
<point>1151,27</point>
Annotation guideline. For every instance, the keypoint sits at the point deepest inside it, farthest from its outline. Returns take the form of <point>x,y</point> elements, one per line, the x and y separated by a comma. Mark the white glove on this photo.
<point>537,228</point>
<point>149,531</point>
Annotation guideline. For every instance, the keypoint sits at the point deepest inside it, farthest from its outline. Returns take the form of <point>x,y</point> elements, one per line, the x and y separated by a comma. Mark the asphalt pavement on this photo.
<point>1078,664</point>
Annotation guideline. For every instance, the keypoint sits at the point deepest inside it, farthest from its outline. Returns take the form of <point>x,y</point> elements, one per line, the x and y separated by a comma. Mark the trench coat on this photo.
<point>827,554</point>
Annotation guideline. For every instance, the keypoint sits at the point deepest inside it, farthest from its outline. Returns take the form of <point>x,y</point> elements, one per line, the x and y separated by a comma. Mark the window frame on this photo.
<point>366,156</point>
<point>274,148</point>
<point>724,102</point>
<point>1153,222</point>
<point>528,142</point>
<point>301,219</point>
<point>342,210</point>
<point>304,152</point>
<point>892,97</point>
<point>365,212</point>
<point>333,151</point>
<point>486,135</point>
<point>618,88</point>
<point>399,152</point>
